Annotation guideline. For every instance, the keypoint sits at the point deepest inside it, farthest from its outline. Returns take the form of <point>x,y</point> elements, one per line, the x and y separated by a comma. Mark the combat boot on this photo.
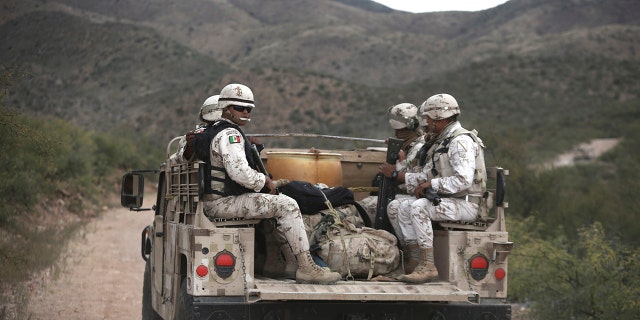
<point>412,256</point>
<point>309,272</point>
<point>425,271</point>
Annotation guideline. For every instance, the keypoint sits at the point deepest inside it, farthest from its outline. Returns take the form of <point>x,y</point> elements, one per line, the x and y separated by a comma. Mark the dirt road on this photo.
<point>100,274</point>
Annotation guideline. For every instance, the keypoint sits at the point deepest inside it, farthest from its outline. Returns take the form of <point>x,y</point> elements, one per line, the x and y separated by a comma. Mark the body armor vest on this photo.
<point>216,180</point>
<point>441,165</point>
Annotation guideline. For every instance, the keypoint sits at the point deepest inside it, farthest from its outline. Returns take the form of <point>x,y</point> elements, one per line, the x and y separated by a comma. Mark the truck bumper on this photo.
<point>207,308</point>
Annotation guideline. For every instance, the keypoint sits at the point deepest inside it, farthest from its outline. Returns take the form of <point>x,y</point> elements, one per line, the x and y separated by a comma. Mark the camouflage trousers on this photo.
<point>413,217</point>
<point>394,219</point>
<point>264,206</point>
<point>370,204</point>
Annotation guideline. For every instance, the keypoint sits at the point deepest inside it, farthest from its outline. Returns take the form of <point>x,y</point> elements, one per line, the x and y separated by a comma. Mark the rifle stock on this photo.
<point>387,189</point>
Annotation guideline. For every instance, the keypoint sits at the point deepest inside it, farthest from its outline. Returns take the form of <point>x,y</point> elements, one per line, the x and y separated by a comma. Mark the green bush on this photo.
<point>28,167</point>
<point>43,159</point>
<point>592,277</point>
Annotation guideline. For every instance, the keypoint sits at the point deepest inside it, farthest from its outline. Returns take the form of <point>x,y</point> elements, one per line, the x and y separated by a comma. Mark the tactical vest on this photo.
<point>216,180</point>
<point>441,165</point>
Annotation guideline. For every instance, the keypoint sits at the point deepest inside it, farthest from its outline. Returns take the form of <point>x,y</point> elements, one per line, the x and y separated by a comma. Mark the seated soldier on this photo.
<point>454,168</point>
<point>235,184</point>
<point>409,127</point>
<point>208,114</point>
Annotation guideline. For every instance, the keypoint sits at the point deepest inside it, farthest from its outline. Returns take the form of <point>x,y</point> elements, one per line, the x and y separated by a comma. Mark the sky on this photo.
<point>440,5</point>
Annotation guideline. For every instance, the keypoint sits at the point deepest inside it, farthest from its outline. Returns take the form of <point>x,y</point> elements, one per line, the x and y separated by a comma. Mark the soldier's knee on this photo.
<point>286,205</point>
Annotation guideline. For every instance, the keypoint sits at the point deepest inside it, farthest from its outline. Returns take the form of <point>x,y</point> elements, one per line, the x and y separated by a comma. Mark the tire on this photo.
<point>184,309</point>
<point>147,309</point>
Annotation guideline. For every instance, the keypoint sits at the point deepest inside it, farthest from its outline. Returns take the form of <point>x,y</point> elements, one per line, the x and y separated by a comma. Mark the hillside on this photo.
<point>292,34</point>
<point>544,69</point>
<point>90,89</point>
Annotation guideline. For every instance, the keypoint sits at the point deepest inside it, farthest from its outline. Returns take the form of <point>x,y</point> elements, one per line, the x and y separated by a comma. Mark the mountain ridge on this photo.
<point>325,66</point>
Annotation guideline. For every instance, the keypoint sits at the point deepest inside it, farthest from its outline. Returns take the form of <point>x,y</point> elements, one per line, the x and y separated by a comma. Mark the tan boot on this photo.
<point>309,272</point>
<point>412,256</point>
<point>425,271</point>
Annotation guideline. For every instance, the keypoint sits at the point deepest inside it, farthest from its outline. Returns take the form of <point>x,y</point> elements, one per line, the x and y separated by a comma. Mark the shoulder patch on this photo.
<point>235,139</point>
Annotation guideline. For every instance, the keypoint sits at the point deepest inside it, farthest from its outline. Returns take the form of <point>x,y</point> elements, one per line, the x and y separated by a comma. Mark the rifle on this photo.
<point>387,190</point>
<point>256,158</point>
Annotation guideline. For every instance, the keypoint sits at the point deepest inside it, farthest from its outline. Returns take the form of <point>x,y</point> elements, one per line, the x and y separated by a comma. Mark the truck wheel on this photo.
<point>147,309</point>
<point>184,309</point>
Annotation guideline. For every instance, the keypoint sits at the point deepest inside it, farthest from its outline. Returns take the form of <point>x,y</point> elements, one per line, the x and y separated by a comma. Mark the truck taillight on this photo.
<point>202,271</point>
<point>500,273</point>
<point>479,266</point>
<point>224,263</point>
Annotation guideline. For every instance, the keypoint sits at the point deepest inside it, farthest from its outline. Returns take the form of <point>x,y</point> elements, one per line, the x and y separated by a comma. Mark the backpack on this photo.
<point>311,199</point>
<point>354,252</point>
<point>349,212</point>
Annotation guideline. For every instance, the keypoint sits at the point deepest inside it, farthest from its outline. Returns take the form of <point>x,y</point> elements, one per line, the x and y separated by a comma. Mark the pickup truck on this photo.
<point>203,268</point>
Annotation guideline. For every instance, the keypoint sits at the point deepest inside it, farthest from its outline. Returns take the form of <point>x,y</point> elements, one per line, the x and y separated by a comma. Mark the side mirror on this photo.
<point>132,190</point>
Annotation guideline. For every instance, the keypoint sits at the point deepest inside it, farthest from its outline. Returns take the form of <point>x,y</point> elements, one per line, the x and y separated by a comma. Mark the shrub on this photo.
<point>590,278</point>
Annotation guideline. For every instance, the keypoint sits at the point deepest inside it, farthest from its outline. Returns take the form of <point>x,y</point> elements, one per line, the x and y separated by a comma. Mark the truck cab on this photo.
<point>203,268</point>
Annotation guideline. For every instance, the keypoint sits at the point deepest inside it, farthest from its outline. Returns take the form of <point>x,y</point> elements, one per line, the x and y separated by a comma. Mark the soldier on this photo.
<point>236,182</point>
<point>409,127</point>
<point>209,112</point>
<point>454,168</point>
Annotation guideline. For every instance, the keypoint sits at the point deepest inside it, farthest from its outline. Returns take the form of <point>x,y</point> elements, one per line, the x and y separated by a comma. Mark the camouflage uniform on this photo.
<point>460,181</point>
<point>178,157</point>
<point>410,164</point>
<point>227,150</point>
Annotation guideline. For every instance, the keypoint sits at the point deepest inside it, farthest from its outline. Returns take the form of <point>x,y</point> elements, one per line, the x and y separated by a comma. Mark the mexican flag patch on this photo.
<point>234,139</point>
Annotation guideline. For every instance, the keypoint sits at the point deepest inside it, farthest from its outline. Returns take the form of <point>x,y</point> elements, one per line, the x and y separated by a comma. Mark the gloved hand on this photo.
<point>281,182</point>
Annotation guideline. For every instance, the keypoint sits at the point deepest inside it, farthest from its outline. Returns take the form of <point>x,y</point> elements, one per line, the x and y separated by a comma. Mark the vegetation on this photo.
<point>576,254</point>
<point>48,159</point>
<point>570,225</point>
<point>51,174</point>
<point>581,195</point>
<point>592,277</point>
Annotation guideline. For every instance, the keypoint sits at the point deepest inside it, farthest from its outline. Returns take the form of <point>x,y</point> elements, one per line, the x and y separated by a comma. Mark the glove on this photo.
<point>281,182</point>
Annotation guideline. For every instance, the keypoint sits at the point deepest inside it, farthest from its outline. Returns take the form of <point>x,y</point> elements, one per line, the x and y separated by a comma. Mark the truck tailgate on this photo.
<point>269,289</point>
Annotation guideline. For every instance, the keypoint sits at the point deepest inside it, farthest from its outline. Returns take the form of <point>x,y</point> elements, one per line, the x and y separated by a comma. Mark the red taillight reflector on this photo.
<point>202,270</point>
<point>479,262</point>
<point>225,260</point>
<point>224,263</point>
<point>479,266</point>
<point>500,273</point>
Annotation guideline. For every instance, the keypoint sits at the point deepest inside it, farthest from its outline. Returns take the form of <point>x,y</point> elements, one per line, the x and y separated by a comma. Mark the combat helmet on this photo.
<point>404,115</point>
<point>440,106</point>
